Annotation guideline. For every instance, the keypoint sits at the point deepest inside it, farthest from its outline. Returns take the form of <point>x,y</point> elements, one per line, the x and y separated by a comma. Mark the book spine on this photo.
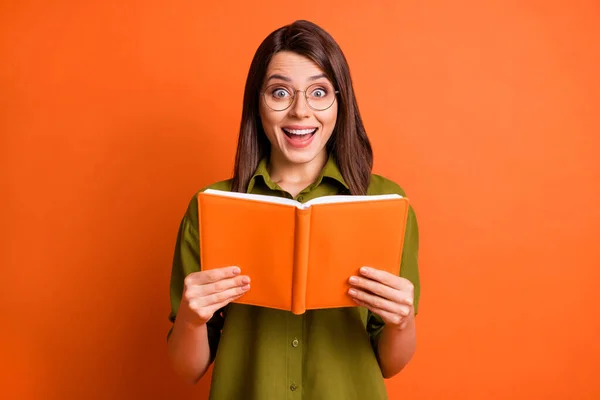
<point>301,235</point>
<point>200,233</point>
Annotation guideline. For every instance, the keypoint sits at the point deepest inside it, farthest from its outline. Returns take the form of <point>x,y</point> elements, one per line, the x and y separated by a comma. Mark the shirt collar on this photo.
<point>330,170</point>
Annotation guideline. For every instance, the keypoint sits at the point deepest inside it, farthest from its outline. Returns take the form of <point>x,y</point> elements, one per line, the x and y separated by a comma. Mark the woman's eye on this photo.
<point>280,93</point>
<point>319,93</point>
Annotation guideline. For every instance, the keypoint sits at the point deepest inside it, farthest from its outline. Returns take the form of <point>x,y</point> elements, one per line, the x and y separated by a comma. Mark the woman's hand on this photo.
<point>205,292</point>
<point>387,295</point>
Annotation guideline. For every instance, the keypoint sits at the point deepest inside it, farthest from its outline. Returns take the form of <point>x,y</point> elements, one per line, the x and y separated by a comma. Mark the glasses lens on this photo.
<point>320,96</point>
<point>278,97</point>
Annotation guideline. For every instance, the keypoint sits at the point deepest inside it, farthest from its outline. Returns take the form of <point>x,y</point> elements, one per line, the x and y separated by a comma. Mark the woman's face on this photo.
<point>298,134</point>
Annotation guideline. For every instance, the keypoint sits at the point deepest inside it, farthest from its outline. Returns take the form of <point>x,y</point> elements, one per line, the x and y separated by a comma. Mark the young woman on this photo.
<point>301,137</point>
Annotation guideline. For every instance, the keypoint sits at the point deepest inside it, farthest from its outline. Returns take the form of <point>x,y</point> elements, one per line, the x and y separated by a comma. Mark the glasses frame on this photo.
<point>263,93</point>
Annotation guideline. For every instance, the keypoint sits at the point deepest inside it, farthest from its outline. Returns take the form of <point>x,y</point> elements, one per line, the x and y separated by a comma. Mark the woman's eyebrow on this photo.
<point>277,76</point>
<point>315,77</point>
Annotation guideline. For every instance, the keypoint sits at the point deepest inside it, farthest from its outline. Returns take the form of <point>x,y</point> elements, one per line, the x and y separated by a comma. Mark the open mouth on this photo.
<point>299,134</point>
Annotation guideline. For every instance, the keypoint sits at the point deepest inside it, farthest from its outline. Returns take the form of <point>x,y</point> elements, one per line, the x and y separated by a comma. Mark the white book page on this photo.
<point>350,199</point>
<point>256,197</point>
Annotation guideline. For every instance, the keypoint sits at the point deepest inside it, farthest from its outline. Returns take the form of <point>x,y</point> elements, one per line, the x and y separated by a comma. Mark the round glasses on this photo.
<point>279,97</point>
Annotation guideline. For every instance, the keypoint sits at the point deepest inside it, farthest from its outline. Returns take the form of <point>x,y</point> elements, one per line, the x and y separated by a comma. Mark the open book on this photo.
<point>299,256</point>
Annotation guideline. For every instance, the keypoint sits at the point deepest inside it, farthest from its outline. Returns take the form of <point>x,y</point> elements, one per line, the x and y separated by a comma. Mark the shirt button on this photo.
<point>293,387</point>
<point>300,198</point>
<point>295,342</point>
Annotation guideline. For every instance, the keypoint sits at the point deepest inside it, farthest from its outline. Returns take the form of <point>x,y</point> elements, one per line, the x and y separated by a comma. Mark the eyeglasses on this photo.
<point>319,96</point>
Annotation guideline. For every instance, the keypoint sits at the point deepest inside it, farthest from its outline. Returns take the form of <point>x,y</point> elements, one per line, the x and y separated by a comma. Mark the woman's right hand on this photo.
<point>205,292</point>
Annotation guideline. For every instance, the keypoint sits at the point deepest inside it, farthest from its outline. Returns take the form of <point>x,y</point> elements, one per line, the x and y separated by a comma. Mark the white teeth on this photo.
<point>300,131</point>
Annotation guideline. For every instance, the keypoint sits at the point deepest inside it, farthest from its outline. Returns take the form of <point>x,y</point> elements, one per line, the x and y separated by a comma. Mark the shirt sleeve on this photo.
<point>186,260</point>
<point>409,269</point>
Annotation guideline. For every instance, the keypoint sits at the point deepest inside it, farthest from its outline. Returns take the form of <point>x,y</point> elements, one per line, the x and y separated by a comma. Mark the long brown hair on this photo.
<point>348,143</point>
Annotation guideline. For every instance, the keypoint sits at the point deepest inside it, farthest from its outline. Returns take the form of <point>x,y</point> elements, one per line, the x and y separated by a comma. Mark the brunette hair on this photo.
<point>348,143</point>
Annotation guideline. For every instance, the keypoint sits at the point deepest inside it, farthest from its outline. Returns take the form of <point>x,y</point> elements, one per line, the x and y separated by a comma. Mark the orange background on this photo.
<point>112,115</point>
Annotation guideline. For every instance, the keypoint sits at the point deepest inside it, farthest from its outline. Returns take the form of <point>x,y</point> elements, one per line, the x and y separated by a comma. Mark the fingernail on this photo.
<point>353,279</point>
<point>245,279</point>
<point>352,292</point>
<point>245,287</point>
<point>364,271</point>
<point>236,271</point>
<point>409,302</point>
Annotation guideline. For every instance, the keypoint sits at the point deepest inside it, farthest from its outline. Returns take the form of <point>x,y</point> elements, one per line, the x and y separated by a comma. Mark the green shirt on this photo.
<point>263,354</point>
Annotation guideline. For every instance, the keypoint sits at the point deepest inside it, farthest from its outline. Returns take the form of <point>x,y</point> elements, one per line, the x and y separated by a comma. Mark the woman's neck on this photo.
<point>293,177</point>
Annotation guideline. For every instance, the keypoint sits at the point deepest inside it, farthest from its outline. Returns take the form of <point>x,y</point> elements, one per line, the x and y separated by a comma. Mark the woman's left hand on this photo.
<point>387,295</point>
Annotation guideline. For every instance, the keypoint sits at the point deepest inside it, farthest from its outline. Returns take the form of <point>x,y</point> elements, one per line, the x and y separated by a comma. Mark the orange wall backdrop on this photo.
<point>113,114</point>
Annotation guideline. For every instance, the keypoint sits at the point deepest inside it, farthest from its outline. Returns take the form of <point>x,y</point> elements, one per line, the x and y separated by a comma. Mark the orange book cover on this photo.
<point>299,256</point>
